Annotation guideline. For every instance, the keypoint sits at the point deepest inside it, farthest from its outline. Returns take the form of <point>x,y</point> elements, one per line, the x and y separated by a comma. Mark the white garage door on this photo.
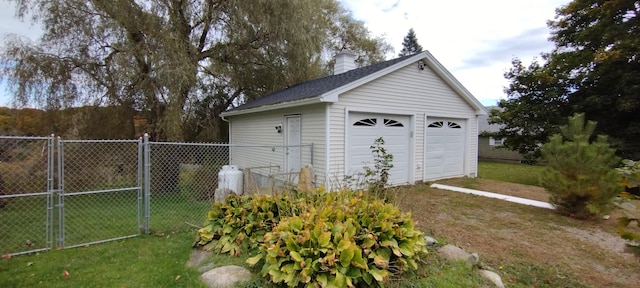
<point>444,148</point>
<point>365,128</point>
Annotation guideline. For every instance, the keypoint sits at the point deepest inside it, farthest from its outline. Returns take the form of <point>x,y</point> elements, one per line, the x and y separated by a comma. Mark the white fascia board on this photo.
<point>283,105</point>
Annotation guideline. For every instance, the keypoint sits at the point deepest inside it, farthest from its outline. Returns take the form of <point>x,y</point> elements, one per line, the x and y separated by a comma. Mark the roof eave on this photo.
<point>282,105</point>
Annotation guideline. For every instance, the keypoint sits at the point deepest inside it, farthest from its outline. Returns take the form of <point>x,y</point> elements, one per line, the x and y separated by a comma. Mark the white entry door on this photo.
<point>292,139</point>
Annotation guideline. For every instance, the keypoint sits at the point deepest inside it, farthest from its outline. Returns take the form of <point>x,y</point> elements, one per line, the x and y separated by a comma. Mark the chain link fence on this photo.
<point>80,192</point>
<point>184,177</point>
<point>26,194</point>
<point>100,191</point>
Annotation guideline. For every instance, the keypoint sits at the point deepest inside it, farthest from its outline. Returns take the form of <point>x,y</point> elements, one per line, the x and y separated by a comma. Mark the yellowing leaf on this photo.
<point>296,256</point>
<point>381,262</point>
<point>346,255</point>
<point>406,249</point>
<point>344,244</point>
<point>252,261</point>
<point>325,239</point>
<point>322,280</point>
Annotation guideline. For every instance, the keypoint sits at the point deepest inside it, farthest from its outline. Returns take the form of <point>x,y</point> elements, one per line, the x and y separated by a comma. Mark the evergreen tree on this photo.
<point>580,175</point>
<point>592,69</point>
<point>410,44</point>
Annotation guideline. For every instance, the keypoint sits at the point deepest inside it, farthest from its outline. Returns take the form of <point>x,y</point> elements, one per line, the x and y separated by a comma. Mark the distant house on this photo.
<point>426,117</point>
<point>490,148</point>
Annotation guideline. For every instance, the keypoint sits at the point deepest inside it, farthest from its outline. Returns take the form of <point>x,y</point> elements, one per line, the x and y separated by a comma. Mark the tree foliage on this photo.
<point>533,110</point>
<point>410,44</point>
<point>580,176</point>
<point>179,63</point>
<point>594,68</point>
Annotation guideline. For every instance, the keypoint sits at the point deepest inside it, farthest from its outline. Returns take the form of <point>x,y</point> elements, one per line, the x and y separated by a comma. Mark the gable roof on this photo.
<point>324,89</point>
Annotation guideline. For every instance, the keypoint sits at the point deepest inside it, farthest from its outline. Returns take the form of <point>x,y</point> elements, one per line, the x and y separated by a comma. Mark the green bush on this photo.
<point>580,175</point>
<point>239,223</point>
<point>306,240</point>
<point>361,244</point>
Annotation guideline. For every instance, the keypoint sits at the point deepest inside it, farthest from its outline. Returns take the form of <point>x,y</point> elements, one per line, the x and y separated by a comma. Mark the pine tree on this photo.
<point>410,44</point>
<point>580,175</point>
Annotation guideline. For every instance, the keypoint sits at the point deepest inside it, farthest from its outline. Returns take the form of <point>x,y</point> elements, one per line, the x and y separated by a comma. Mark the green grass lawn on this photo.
<point>158,260</point>
<point>507,172</point>
<point>144,261</point>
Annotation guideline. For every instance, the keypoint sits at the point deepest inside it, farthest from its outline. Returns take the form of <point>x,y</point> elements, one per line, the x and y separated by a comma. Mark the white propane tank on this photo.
<point>230,177</point>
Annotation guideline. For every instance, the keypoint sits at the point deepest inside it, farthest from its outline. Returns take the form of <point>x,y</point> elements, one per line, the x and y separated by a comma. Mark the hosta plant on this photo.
<point>341,239</point>
<point>239,223</point>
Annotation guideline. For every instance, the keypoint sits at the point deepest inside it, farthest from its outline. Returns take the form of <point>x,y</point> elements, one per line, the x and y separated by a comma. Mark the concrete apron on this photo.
<point>495,195</point>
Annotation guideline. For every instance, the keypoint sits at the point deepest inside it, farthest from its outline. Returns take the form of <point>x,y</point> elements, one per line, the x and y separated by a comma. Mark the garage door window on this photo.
<point>366,122</point>
<point>454,125</point>
<point>437,124</point>
<point>392,123</point>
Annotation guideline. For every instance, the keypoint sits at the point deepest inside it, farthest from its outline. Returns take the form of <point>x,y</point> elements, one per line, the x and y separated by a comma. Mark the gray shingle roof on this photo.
<point>483,122</point>
<point>318,86</point>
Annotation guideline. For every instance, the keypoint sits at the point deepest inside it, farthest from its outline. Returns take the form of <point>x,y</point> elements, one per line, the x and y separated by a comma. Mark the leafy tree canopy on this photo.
<point>410,44</point>
<point>594,68</point>
<point>178,62</point>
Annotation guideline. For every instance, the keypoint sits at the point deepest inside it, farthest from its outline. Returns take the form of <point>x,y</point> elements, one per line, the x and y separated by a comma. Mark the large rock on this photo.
<point>491,276</point>
<point>455,253</point>
<point>431,241</point>
<point>225,276</point>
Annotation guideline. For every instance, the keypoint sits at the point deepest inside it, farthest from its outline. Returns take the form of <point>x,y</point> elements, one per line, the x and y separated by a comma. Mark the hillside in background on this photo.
<point>88,122</point>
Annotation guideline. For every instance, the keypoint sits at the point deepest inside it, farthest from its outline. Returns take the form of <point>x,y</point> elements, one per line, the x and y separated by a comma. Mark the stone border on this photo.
<point>455,253</point>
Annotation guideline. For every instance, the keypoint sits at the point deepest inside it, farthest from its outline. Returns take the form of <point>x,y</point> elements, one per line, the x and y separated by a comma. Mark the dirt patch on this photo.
<point>517,237</point>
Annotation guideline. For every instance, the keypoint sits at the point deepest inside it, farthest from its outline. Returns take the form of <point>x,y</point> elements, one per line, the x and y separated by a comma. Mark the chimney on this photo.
<point>345,61</point>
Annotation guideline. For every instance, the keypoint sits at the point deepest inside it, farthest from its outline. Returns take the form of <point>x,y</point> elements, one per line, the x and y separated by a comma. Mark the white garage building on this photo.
<point>428,120</point>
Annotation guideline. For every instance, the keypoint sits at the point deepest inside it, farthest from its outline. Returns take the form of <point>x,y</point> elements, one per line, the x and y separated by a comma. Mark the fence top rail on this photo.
<point>228,144</point>
<point>26,137</point>
<point>101,141</point>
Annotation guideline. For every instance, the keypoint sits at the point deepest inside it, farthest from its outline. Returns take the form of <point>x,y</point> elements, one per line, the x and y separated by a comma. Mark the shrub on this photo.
<point>377,178</point>
<point>239,223</point>
<point>302,239</point>
<point>361,244</point>
<point>580,175</point>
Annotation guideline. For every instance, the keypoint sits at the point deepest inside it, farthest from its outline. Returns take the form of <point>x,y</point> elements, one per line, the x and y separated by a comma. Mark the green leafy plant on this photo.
<point>377,178</point>
<point>239,223</point>
<point>362,244</point>
<point>579,174</point>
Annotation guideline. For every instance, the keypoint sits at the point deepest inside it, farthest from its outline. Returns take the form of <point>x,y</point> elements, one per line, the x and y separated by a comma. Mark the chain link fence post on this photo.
<point>60,202</point>
<point>147,182</point>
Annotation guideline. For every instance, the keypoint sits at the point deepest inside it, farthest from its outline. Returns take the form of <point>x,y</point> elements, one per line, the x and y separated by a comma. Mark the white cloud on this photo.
<point>475,40</point>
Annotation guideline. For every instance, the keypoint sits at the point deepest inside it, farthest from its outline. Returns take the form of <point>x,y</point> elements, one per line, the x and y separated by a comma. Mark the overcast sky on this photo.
<point>474,40</point>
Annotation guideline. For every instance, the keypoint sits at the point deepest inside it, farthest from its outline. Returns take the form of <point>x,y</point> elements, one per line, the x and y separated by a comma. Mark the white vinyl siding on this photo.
<point>259,129</point>
<point>407,91</point>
